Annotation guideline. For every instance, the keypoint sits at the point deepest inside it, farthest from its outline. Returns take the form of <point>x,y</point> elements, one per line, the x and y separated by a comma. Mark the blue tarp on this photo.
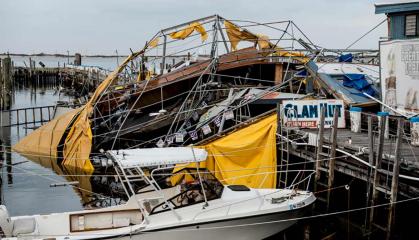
<point>358,82</point>
<point>346,57</point>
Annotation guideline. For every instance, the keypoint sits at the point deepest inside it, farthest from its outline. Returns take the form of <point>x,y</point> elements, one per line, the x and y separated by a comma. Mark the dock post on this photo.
<point>332,156</point>
<point>307,232</point>
<point>279,143</point>
<point>371,162</point>
<point>383,119</point>
<point>1,86</point>
<point>320,139</point>
<point>164,55</point>
<point>7,82</point>
<point>414,129</point>
<point>395,180</point>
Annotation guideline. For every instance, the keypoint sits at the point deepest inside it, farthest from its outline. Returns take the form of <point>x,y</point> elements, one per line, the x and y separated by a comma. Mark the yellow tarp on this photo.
<point>78,143</point>
<point>153,43</point>
<point>235,35</point>
<point>184,33</point>
<point>248,151</point>
<point>43,142</point>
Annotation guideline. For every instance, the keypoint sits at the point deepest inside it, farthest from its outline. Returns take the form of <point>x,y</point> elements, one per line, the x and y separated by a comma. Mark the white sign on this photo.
<point>306,113</point>
<point>399,62</point>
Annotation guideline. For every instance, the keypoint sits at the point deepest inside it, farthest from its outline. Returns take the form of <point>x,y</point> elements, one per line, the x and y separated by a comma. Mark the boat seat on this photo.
<point>23,226</point>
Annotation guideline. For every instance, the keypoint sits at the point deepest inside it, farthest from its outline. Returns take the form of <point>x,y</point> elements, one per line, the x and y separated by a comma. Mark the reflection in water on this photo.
<point>95,190</point>
<point>27,189</point>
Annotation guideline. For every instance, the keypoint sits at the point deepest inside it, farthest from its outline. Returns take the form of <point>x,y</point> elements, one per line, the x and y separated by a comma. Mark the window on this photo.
<point>410,26</point>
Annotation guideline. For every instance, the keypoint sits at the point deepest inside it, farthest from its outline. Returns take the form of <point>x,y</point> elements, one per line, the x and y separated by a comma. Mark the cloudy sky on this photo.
<point>102,26</point>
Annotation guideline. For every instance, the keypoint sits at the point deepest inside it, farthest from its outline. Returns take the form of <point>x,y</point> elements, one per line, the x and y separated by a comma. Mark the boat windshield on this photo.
<point>191,189</point>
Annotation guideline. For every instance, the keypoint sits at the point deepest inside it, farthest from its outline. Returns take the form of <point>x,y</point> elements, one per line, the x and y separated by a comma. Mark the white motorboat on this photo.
<point>199,208</point>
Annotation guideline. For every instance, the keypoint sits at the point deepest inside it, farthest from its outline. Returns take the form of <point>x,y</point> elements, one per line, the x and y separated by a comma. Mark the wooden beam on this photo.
<point>332,155</point>
<point>383,119</point>
<point>395,180</point>
<point>320,141</point>
<point>278,73</point>
<point>164,55</point>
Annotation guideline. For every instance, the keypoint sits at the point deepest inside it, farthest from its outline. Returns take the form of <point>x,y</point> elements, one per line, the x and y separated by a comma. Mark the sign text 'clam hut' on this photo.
<point>306,113</point>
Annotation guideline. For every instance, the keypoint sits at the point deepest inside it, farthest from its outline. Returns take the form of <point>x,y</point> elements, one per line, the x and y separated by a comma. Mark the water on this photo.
<point>23,190</point>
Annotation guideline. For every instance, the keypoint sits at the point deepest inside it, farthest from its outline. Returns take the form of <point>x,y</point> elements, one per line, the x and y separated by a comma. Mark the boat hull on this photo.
<point>251,228</point>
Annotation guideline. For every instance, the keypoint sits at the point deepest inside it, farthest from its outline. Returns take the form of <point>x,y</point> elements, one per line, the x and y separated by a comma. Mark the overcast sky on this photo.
<point>101,26</point>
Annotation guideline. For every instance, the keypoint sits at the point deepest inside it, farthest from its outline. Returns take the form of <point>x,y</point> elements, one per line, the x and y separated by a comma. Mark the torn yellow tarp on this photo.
<point>184,33</point>
<point>78,143</point>
<point>246,157</point>
<point>43,142</point>
<point>263,42</point>
<point>296,55</point>
<point>153,43</point>
<point>235,35</point>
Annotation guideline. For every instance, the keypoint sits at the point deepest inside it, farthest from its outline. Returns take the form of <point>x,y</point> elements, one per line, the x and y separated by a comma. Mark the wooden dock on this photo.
<point>380,155</point>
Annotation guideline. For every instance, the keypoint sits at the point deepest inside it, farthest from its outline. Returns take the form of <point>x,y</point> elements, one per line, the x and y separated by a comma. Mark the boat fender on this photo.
<point>6,224</point>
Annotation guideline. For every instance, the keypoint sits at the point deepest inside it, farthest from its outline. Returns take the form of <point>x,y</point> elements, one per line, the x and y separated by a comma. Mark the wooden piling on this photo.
<point>320,140</point>
<point>7,82</point>
<point>377,166</point>
<point>371,162</point>
<point>164,54</point>
<point>332,155</point>
<point>395,180</point>
<point>1,86</point>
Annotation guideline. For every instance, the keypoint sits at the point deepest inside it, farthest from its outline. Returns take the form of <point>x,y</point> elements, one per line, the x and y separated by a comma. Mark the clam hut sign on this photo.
<point>306,113</point>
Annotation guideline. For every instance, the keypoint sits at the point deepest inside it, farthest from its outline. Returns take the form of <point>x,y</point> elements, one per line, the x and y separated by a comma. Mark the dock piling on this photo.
<point>320,140</point>
<point>379,157</point>
<point>332,155</point>
<point>395,180</point>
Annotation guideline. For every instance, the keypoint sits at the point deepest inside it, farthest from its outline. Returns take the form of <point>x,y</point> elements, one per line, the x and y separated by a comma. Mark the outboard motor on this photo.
<point>6,223</point>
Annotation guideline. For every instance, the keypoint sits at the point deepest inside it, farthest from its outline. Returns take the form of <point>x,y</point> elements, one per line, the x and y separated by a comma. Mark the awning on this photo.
<point>246,157</point>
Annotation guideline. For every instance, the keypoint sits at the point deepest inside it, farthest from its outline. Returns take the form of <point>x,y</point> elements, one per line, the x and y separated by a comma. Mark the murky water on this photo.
<point>26,185</point>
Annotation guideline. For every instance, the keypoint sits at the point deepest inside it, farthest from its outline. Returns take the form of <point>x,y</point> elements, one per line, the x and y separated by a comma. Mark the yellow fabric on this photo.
<point>251,150</point>
<point>297,55</point>
<point>154,43</point>
<point>184,33</point>
<point>78,143</point>
<point>43,142</point>
<point>263,41</point>
<point>235,35</point>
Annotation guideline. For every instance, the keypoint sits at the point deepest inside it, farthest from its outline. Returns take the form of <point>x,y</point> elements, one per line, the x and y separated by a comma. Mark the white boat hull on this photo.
<point>246,228</point>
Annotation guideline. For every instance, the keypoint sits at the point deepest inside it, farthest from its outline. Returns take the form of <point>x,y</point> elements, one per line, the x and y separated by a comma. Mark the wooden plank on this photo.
<point>278,73</point>
<point>377,167</point>
<point>395,179</point>
<point>320,138</point>
<point>331,178</point>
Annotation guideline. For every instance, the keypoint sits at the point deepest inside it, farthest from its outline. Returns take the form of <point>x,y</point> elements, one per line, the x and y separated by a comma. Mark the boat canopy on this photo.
<point>149,157</point>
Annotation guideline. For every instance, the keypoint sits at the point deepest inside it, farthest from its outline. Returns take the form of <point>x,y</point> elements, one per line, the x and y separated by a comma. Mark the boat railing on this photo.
<point>262,197</point>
